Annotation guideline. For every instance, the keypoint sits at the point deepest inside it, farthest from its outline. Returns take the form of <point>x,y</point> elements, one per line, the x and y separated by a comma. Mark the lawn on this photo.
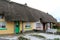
<point>58,30</point>
<point>23,38</point>
<point>39,36</point>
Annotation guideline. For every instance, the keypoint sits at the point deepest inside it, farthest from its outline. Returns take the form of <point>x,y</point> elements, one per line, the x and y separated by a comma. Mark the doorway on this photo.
<point>16,30</point>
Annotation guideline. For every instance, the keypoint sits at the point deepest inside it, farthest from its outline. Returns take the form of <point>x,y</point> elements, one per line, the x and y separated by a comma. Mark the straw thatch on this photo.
<point>18,12</point>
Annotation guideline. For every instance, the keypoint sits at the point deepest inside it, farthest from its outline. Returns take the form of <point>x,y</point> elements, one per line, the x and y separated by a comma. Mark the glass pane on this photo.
<point>28,25</point>
<point>38,24</point>
<point>2,24</point>
<point>0,17</point>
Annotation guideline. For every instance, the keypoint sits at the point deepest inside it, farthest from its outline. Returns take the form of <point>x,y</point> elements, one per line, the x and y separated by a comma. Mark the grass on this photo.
<point>58,30</point>
<point>40,36</point>
<point>23,38</point>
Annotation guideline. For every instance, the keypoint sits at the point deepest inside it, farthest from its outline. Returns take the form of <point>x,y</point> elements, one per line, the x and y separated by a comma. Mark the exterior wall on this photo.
<point>51,25</point>
<point>2,20</point>
<point>28,29</point>
<point>47,26</point>
<point>9,28</point>
<point>38,27</point>
<point>20,26</point>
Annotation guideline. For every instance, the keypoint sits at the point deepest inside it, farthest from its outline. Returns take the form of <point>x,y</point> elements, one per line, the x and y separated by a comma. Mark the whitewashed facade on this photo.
<point>38,25</point>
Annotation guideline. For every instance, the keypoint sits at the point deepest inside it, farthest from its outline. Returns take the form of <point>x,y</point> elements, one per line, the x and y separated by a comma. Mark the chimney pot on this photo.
<point>25,4</point>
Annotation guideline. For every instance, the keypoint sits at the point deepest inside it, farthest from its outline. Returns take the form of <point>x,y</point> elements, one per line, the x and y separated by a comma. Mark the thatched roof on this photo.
<point>45,17</point>
<point>18,12</point>
<point>48,18</point>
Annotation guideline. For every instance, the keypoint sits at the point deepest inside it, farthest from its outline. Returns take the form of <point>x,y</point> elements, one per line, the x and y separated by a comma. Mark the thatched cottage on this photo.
<point>15,18</point>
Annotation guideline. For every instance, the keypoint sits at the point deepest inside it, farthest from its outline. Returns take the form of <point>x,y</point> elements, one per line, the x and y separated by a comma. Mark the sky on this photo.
<point>49,6</point>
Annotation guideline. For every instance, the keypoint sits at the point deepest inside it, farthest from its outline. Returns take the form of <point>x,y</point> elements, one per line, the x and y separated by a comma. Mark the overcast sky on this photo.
<point>50,6</point>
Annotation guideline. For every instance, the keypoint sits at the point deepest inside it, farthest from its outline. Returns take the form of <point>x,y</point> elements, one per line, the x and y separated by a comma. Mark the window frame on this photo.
<point>28,25</point>
<point>3,28</point>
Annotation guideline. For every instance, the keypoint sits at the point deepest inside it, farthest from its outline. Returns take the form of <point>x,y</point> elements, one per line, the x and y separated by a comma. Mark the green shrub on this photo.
<point>56,39</point>
<point>40,36</point>
<point>22,38</point>
<point>56,27</point>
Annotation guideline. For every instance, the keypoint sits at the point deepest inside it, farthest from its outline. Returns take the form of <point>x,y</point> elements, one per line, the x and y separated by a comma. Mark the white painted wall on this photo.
<point>48,25</point>
<point>37,26</point>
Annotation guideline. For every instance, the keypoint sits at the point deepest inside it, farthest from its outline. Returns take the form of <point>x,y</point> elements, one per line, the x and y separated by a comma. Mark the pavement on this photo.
<point>28,35</point>
<point>49,36</point>
<point>46,35</point>
<point>32,37</point>
<point>9,37</point>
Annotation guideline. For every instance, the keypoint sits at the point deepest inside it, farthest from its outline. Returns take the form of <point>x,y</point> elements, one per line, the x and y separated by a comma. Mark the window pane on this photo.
<point>28,25</point>
<point>38,24</point>
<point>2,24</point>
<point>0,17</point>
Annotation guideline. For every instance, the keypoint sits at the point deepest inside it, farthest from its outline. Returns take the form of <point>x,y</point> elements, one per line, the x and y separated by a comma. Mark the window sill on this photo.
<point>3,28</point>
<point>28,27</point>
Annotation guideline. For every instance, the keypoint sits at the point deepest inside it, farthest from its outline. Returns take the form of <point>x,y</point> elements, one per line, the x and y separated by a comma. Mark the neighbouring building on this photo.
<point>15,18</point>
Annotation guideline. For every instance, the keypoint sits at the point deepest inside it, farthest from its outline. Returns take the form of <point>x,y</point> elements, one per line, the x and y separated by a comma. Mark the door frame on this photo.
<point>16,27</point>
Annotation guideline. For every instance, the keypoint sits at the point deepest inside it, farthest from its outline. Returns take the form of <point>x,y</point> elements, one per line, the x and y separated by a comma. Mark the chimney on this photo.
<point>25,4</point>
<point>47,13</point>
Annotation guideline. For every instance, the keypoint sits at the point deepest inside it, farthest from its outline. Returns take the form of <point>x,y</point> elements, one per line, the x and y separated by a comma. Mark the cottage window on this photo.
<point>28,25</point>
<point>2,24</point>
<point>37,24</point>
<point>1,17</point>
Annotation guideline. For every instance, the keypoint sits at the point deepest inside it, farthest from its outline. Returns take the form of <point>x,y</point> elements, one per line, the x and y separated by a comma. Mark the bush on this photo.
<point>56,27</point>
<point>22,38</point>
<point>40,36</point>
<point>56,39</point>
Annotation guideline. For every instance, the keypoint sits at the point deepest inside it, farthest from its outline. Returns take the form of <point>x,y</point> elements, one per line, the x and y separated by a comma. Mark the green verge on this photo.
<point>56,39</point>
<point>58,30</point>
<point>22,38</point>
<point>39,36</point>
<point>3,28</point>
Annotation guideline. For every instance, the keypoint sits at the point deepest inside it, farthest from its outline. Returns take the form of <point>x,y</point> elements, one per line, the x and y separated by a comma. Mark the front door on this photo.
<point>16,27</point>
